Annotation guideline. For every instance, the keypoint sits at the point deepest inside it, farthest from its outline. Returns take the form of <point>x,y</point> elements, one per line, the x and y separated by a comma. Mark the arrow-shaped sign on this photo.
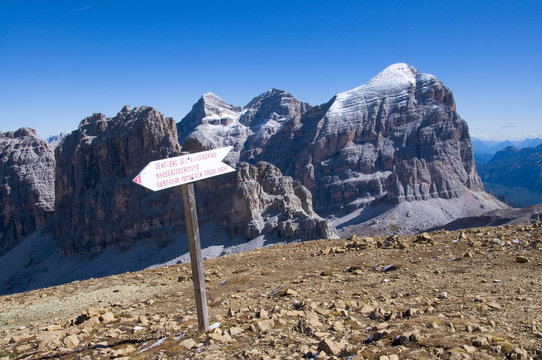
<point>166,173</point>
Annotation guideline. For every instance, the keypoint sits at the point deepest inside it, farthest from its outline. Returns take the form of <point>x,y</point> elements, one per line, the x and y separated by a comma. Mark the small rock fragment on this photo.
<point>188,344</point>
<point>329,346</point>
<point>263,326</point>
<point>234,331</point>
<point>107,317</point>
<point>321,356</point>
<point>480,342</point>
<point>53,328</point>
<point>288,292</point>
<point>469,349</point>
<point>71,341</point>
<point>263,314</point>
<point>220,338</point>
<point>93,321</point>
<point>424,238</point>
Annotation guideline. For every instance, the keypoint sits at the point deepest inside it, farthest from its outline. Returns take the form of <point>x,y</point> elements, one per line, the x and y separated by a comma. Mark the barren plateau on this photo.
<point>465,294</point>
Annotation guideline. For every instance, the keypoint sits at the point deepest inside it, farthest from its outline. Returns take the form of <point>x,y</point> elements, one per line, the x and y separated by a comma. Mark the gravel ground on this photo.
<point>470,294</point>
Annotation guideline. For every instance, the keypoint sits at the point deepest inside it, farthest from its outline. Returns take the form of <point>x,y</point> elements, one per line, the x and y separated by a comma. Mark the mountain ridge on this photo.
<point>515,174</point>
<point>358,134</point>
<point>391,156</point>
<point>490,147</point>
<point>26,185</point>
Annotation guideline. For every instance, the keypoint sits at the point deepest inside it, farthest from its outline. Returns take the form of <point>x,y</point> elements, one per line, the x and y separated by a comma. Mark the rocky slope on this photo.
<point>519,216</point>
<point>515,175</point>
<point>27,166</point>
<point>98,207</point>
<point>396,139</point>
<point>471,294</point>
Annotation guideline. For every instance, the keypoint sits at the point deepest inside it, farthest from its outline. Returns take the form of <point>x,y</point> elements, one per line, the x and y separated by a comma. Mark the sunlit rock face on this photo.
<point>395,139</point>
<point>98,206</point>
<point>27,167</point>
<point>259,200</point>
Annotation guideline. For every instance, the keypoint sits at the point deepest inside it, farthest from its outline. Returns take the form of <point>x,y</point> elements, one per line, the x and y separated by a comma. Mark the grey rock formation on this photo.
<point>396,139</point>
<point>220,127</point>
<point>26,185</point>
<point>212,123</point>
<point>259,200</point>
<point>97,205</point>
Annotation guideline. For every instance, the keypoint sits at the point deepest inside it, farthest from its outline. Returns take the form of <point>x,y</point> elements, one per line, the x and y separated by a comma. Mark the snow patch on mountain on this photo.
<point>395,80</point>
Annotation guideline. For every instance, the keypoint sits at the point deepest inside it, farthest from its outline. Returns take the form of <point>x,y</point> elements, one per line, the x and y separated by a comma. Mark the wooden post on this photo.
<point>196,261</point>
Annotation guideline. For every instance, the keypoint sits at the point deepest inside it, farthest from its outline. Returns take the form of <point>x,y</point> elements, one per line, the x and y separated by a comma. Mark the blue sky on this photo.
<point>61,61</point>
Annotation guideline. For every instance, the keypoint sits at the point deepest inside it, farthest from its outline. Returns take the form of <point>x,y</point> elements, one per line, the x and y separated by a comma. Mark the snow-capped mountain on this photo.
<point>391,142</point>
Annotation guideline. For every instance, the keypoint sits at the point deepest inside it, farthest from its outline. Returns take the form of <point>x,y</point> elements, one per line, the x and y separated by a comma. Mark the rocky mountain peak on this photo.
<point>27,194</point>
<point>392,78</point>
<point>273,105</point>
<point>22,132</point>
<point>396,139</point>
<point>214,106</point>
<point>55,140</point>
<point>213,123</point>
<point>96,204</point>
<point>210,110</point>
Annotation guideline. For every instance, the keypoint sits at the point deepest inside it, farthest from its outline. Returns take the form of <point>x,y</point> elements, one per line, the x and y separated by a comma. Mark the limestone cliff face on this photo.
<point>97,205</point>
<point>395,139</point>
<point>259,200</point>
<point>26,185</point>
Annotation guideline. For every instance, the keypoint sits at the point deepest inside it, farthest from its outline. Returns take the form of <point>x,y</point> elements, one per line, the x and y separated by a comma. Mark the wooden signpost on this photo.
<point>184,170</point>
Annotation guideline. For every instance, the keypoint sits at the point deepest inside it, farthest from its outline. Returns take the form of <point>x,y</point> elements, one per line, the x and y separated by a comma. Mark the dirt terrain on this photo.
<point>466,294</point>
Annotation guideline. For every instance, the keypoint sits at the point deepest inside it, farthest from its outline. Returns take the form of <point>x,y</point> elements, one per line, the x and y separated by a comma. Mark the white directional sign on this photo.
<point>166,173</point>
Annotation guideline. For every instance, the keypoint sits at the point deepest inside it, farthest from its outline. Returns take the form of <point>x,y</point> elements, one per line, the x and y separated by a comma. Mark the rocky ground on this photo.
<point>469,294</point>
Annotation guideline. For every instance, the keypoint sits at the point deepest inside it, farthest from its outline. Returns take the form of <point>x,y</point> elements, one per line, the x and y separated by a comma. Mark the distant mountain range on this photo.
<point>514,175</point>
<point>485,149</point>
